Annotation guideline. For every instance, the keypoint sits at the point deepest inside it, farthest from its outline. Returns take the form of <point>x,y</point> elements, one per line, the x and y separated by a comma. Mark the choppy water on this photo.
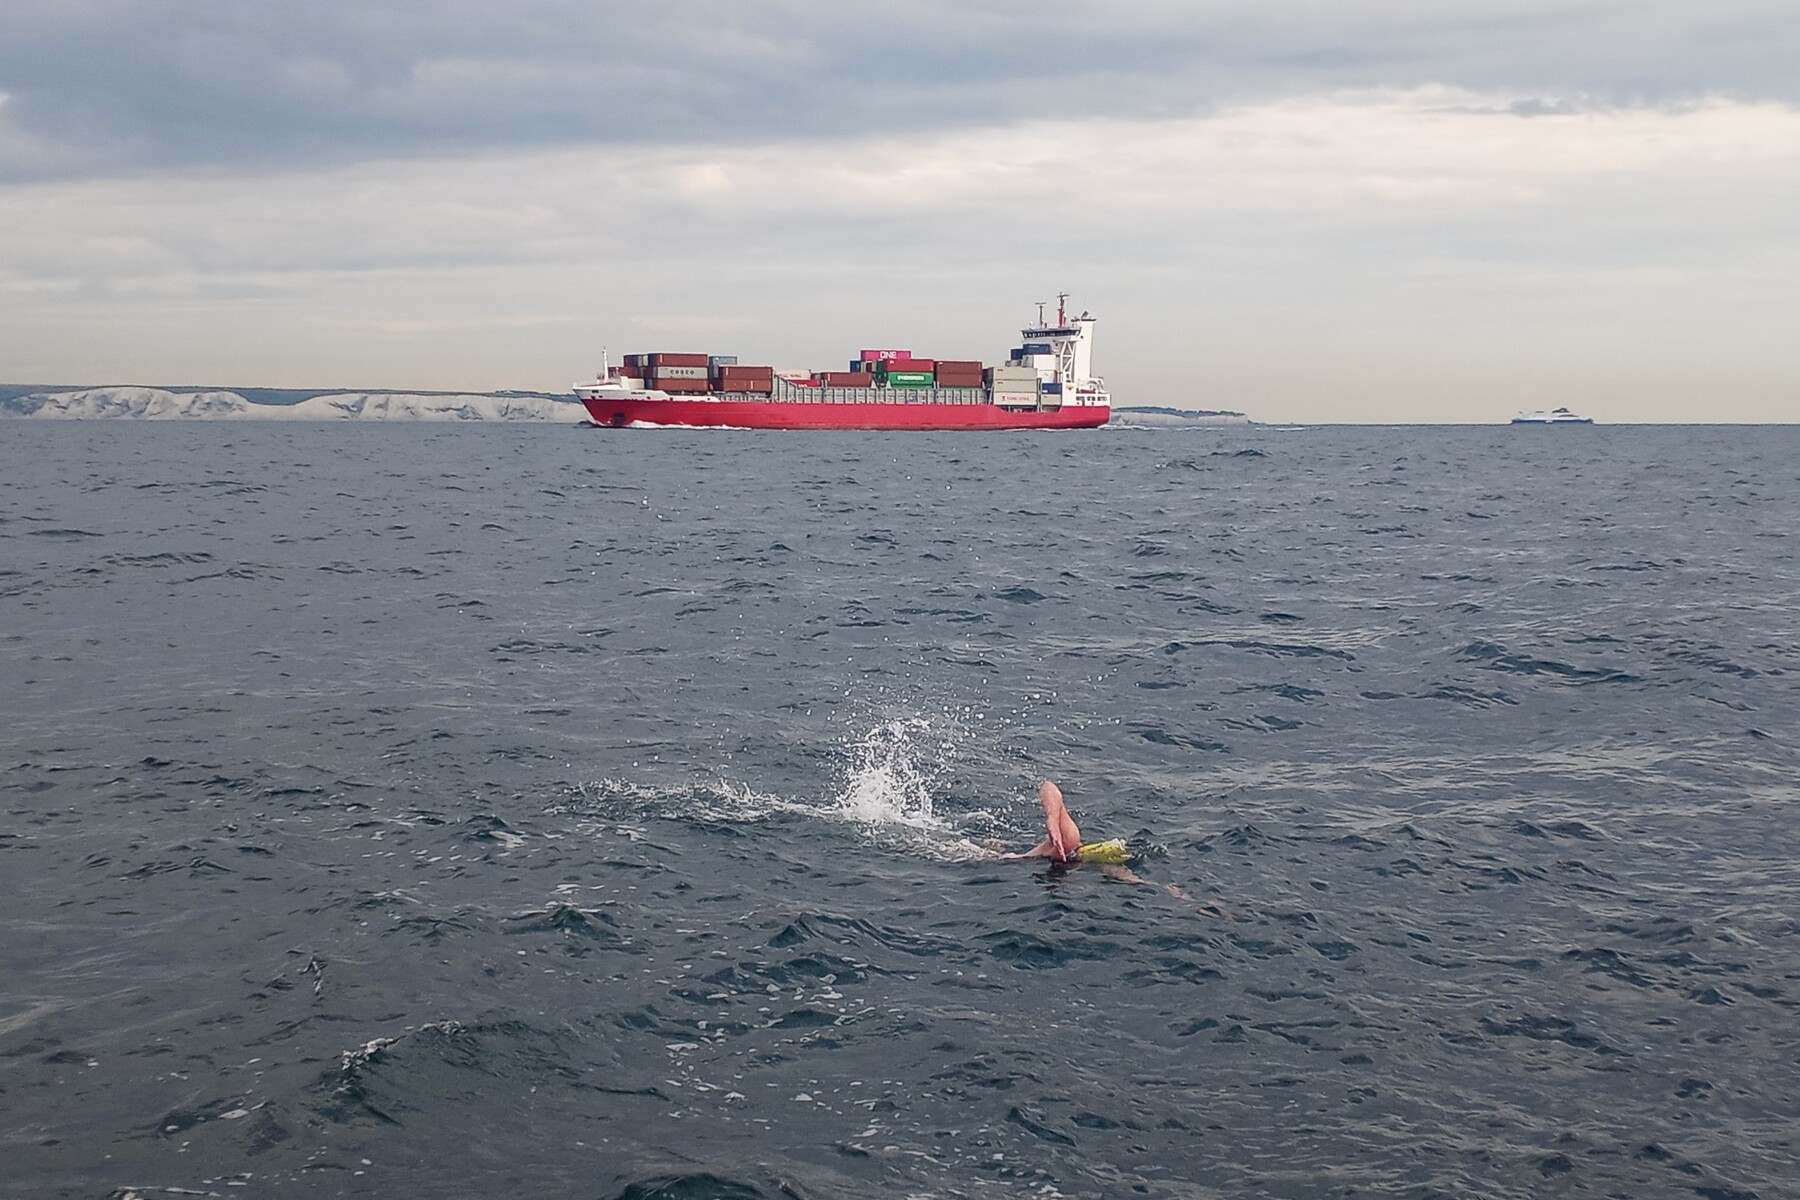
<point>488,811</point>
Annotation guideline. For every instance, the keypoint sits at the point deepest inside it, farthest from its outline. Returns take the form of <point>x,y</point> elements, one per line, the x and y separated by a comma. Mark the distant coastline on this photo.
<point>1176,418</point>
<point>281,404</point>
<point>70,403</point>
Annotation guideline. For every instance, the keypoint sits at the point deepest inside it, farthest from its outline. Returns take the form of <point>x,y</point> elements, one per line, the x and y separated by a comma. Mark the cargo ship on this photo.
<point>1046,383</point>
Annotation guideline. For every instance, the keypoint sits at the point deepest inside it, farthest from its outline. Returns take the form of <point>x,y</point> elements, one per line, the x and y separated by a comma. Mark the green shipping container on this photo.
<point>909,379</point>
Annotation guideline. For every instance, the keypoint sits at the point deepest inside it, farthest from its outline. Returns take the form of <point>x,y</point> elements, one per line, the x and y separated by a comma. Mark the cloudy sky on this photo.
<point>1307,210</point>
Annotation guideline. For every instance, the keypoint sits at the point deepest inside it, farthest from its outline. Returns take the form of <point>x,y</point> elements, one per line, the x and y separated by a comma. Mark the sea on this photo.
<point>492,810</point>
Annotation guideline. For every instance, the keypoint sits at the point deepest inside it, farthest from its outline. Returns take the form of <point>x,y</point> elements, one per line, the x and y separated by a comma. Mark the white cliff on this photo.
<point>156,404</point>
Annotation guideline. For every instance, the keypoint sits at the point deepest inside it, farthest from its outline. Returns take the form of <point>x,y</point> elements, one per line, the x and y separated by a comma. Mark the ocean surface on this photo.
<point>493,810</point>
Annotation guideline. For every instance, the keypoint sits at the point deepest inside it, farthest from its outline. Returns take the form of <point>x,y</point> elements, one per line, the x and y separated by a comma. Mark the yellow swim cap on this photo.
<point>1112,853</point>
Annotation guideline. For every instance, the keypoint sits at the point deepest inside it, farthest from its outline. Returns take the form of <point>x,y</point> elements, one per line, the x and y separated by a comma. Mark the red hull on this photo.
<point>798,414</point>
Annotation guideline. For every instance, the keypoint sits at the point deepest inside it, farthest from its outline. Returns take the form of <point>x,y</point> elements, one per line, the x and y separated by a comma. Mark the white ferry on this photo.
<point>1551,416</point>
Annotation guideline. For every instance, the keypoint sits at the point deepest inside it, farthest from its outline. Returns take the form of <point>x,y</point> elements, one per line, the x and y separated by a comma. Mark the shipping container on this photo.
<point>1018,374</point>
<point>761,387</point>
<point>958,364</point>
<point>745,373</point>
<point>857,379</point>
<point>883,355</point>
<point>676,360</point>
<point>636,361</point>
<point>912,379</point>
<point>1036,348</point>
<point>670,371</point>
<point>721,360</point>
<point>910,364</point>
<point>1053,389</point>
<point>681,385</point>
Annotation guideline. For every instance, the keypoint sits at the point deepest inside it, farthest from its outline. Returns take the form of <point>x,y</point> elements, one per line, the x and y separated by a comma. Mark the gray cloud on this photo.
<point>103,87</point>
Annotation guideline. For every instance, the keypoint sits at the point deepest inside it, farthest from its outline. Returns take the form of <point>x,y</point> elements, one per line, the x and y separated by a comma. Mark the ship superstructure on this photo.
<point>1062,354</point>
<point>1046,383</point>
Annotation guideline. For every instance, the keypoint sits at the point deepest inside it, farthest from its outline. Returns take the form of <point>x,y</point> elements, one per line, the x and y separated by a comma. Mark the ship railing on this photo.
<point>788,392</point>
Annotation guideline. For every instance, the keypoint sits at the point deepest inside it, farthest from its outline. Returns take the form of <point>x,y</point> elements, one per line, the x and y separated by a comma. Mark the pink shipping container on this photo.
<point>884,355</point>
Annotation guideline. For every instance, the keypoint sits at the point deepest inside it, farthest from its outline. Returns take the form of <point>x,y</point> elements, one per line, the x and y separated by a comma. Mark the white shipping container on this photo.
<point>680,372</point>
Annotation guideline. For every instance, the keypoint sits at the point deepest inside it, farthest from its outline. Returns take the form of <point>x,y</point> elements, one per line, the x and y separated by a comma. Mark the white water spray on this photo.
<point>893,768</point>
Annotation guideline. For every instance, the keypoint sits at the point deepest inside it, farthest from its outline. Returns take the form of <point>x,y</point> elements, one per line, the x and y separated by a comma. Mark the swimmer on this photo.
<point>1064,845</point>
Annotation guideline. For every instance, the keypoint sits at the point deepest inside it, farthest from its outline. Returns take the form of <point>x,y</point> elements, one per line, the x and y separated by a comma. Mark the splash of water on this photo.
<point>892,778</point>
<point>893,770</point>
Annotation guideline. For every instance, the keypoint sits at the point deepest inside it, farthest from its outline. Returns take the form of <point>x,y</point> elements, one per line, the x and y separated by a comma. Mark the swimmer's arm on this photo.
<point>1127,875</point>
<point>1209,907</point>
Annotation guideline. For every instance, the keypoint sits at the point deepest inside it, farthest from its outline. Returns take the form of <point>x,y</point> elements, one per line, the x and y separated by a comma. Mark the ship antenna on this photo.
<point>1062,319</point>
<point>1040,305</point>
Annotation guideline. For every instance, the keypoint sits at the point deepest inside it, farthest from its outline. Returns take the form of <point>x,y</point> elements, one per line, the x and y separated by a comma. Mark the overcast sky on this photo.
<point>1335,210</point>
